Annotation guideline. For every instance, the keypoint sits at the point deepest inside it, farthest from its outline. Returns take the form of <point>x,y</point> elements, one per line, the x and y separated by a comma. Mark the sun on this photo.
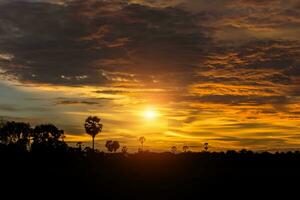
<point>150,114</point>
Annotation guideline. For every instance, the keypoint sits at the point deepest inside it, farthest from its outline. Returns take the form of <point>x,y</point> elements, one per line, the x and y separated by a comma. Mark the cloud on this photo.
<point>207,65</point>
<point>68,102</point>
<point>255,143</point>
<point>9,108</point>
<point>87,42</point>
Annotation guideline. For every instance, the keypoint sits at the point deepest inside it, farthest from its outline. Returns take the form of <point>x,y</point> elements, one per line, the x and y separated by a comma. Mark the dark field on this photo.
<point>37,162</point>
<point>151,175</point>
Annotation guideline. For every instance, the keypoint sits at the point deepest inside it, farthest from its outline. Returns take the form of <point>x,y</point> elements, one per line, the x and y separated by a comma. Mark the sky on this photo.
<point>226,72</point>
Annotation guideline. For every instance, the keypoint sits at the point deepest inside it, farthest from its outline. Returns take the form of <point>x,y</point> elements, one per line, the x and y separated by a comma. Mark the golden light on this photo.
<point>150,114</point>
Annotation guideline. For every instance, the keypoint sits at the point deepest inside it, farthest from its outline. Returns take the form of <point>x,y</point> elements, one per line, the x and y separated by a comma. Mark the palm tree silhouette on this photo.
<point>142,139</point>
<point>92,127</point>
<point>205,146</point>
<point>185,148</point>
<point>173,149</point>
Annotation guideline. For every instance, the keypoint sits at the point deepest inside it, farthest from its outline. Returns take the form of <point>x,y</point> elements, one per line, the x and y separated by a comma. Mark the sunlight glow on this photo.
<point>150,114</point>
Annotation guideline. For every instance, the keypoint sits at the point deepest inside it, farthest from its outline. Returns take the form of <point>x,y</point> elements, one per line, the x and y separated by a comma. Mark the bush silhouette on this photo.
<point>112,146</point>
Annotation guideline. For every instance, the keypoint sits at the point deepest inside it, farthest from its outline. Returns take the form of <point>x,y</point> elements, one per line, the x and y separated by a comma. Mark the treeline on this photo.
<point>47,138</point>
<point>21,137</point>
<point>37,159</point>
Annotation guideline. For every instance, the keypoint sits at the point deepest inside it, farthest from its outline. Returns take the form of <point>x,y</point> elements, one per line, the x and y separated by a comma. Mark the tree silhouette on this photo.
<point>124,150</point>
<point>108,145</point>
<point>15,133</point>
<point>2,122</point>
<point>47,137</point>
<point>112,146</point>
<point>140,150</point>
<point>92,127</point>
<point>173,149</point>
<point>12,132</point>
<point>115,145</point>
<point>142,139</point>
<point>185,148</point>
<point>79,144</point>
<point>205,146</point>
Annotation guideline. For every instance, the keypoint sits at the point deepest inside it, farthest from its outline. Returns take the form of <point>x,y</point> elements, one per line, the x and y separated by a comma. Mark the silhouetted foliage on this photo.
<point>19,136</point>
<point>140,150</point>
<point>12,132</point>
<point>231,152</point>
<point>188,173</point>
<point>124,150</point>
<point>142,139</point>
<point>112,146</point>
<point>205,146</point>
<point>2,122</point>
<point>174,149</point>
<point>47,137</point>
<point>185,148</point>
<point>246,152</point>
<point>51,163</point>
<point>92,127</point>
<point>79,145</point>
<point>16,135</point>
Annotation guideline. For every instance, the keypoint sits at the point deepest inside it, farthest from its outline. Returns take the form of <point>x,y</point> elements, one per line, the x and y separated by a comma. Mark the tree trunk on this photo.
<point>93,143</point>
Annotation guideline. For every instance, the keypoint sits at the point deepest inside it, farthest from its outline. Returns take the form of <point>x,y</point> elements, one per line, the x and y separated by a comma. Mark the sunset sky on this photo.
<point>179,72</point>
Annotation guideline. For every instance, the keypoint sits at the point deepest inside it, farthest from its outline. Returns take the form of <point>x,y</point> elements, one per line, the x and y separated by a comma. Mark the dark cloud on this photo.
<point>259,143</point>
<point>68,102</point>
<point>110,92</point>
<point>86,42</point>
<point>102,42</point>
<point>238,99</point>
<point>81,101</point>
<point>9,108</point>
<point>266,68</point>
<point>254,126</point>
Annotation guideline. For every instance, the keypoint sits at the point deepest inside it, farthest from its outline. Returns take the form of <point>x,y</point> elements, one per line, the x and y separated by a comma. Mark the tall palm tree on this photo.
<point>142,139</point>
<point>92,127</point>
